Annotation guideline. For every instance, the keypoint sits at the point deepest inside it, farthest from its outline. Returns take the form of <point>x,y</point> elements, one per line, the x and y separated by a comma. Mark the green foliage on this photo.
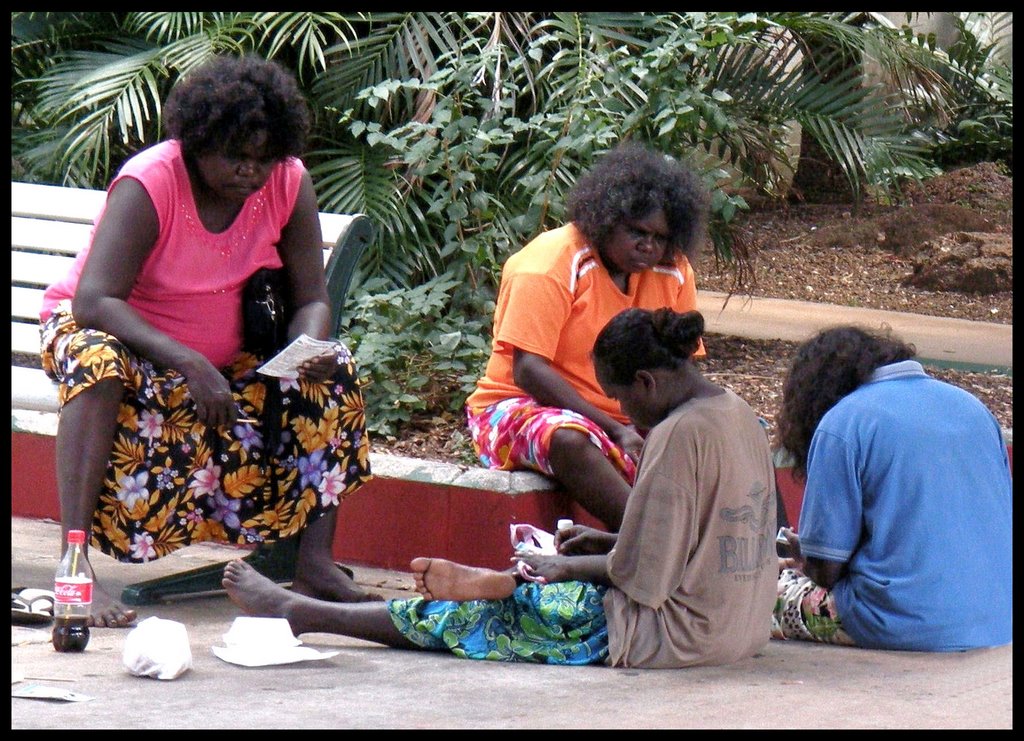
<point>415,352</point>
<point>981,126</point>
<point>460,134</point>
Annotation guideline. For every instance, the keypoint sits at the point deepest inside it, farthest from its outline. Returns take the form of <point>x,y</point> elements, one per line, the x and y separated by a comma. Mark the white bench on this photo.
<point>51,224</point>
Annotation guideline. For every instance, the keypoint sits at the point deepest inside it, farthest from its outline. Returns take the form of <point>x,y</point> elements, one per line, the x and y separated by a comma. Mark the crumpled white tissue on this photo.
<point>527,539</point>
<point>157,648</point>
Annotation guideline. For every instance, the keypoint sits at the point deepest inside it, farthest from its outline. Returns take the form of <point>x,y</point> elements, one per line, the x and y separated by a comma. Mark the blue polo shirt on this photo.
<point>908,482</point>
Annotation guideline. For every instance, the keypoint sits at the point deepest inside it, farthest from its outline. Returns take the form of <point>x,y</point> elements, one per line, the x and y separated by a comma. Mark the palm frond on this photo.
<point>164,27</point>
<point>395,46</point>
<point>98,93</point>
<point>305,35</point>
<point>865,127</point>
<point>355,180</point>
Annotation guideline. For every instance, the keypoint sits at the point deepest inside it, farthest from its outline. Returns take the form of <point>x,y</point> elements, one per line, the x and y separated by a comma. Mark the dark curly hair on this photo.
<point>827,367</point>
<point>222,105</point>
<point>639,339</point>
<point>629,183</point>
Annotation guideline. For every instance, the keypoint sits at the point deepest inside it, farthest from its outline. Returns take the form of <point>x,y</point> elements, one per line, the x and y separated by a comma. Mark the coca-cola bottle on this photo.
<point>72,592</point>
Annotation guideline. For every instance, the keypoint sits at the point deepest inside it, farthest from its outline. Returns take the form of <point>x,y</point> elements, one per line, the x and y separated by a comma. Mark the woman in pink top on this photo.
<point>156,447</point>
<point>636,221</point>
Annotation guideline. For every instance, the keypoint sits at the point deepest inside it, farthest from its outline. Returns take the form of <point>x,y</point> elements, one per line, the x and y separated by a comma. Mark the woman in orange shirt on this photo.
<point>636,221</point>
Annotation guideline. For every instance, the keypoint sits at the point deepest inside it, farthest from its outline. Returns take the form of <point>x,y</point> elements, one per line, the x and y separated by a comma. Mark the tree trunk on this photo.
<point>818,179</point>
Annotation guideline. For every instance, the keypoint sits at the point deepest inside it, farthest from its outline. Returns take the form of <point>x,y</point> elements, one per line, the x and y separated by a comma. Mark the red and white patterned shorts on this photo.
<point>516,433</point>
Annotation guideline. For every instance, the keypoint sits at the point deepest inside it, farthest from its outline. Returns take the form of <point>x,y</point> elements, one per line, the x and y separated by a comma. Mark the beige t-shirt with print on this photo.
<point>694,569</point>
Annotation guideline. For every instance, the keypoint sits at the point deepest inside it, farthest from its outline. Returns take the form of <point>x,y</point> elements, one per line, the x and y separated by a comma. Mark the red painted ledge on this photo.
<point>411,508</point>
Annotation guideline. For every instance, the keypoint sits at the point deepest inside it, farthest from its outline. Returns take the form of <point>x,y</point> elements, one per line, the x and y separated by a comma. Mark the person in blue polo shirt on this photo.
<point>906,529</point>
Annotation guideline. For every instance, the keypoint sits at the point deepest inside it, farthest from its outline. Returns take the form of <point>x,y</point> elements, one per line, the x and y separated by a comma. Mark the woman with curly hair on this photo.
<point>906,535</point>
<point>156,447</point>
<point>689,579</point>
<point>636,223</point>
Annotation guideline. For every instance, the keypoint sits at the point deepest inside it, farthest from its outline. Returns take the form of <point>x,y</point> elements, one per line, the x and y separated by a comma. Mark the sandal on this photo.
<point>31,606</point>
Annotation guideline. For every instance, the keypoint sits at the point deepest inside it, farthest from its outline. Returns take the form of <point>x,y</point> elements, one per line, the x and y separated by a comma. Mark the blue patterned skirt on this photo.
<point>560,623</point>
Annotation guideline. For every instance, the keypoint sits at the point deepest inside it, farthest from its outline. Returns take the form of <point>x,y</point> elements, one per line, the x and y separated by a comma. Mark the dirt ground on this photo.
<point>828,253</point>
<point>831,254</point>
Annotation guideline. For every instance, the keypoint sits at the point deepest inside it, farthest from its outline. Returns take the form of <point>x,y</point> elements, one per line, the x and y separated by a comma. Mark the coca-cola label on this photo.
<point>72,592</point>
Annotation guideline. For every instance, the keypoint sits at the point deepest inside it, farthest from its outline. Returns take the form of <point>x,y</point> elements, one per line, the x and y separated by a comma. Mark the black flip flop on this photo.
<point>31,606</point>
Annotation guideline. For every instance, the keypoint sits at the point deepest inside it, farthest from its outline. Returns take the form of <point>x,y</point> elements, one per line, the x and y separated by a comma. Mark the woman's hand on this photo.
<point>215,405</point>
<point>627,438</point>
<point>593,569</point>
<point>580,540</point>
<point>795,560</point>
<point>549,568</point>
<point>320,368</point>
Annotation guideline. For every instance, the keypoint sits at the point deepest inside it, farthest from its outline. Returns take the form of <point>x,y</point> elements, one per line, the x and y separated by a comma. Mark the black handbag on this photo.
<point>265,316</point>
<point>265,312</point>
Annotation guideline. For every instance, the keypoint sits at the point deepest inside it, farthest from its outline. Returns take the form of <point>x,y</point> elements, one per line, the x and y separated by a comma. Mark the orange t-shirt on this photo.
<point>554,299</point>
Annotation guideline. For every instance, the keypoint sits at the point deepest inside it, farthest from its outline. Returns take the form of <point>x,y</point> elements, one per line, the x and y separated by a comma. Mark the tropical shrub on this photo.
<point>981,74</point>
<point>415,355</point>
<point>460,134</point>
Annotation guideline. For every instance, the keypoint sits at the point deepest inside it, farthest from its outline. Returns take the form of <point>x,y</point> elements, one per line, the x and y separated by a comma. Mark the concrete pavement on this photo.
<point>788,685</point>
<point>952,342</point>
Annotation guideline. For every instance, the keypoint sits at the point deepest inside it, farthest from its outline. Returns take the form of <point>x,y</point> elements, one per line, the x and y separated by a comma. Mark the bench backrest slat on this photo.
<point>43,247</point>
<point>37,269</point>
<point>54,202</point>
<point>80,206</point>
<point>25,303</point>
<point>25,338</point>
<point>38,235</point>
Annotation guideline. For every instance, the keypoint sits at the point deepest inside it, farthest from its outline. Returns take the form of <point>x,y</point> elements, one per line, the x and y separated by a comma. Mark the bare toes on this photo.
<point>113,618</point>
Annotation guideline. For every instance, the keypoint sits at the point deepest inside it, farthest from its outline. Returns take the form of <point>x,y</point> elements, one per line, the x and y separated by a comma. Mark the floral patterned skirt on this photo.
<point>804,611</point>
<point>515,433</point>
<point>172,481</point>
<point>560,623</point>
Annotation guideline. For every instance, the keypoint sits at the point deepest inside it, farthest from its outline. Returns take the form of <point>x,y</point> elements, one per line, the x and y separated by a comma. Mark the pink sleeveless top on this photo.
<point>190,286</point>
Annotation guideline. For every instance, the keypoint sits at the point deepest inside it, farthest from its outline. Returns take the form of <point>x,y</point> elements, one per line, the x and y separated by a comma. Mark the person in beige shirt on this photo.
<point>693,569</point>
<point>689,579</point>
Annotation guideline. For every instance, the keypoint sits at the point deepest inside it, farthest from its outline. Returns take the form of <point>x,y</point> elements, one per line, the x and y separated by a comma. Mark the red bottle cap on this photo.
<point>76,537</point>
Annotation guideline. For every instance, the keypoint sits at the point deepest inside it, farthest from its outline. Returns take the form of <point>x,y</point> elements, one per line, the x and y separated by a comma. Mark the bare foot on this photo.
<point>327,582</point>
<point>259,596</point>
<point>437,578</point>
<point>108,612</point>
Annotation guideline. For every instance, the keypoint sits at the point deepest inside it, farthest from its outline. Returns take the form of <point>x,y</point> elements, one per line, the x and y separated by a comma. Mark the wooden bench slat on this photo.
<point>333,226</point>
<point>71,237</point>
<point>54,202</point>
<point>81,205</point>
<point>65,237</point>
<point>25,338</point>
<point>32,389</point>
<point>38,269</point>
<point>26,302</point>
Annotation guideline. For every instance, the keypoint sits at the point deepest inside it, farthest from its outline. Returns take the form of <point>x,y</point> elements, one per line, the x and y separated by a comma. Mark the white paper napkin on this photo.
<point>255,641</point>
